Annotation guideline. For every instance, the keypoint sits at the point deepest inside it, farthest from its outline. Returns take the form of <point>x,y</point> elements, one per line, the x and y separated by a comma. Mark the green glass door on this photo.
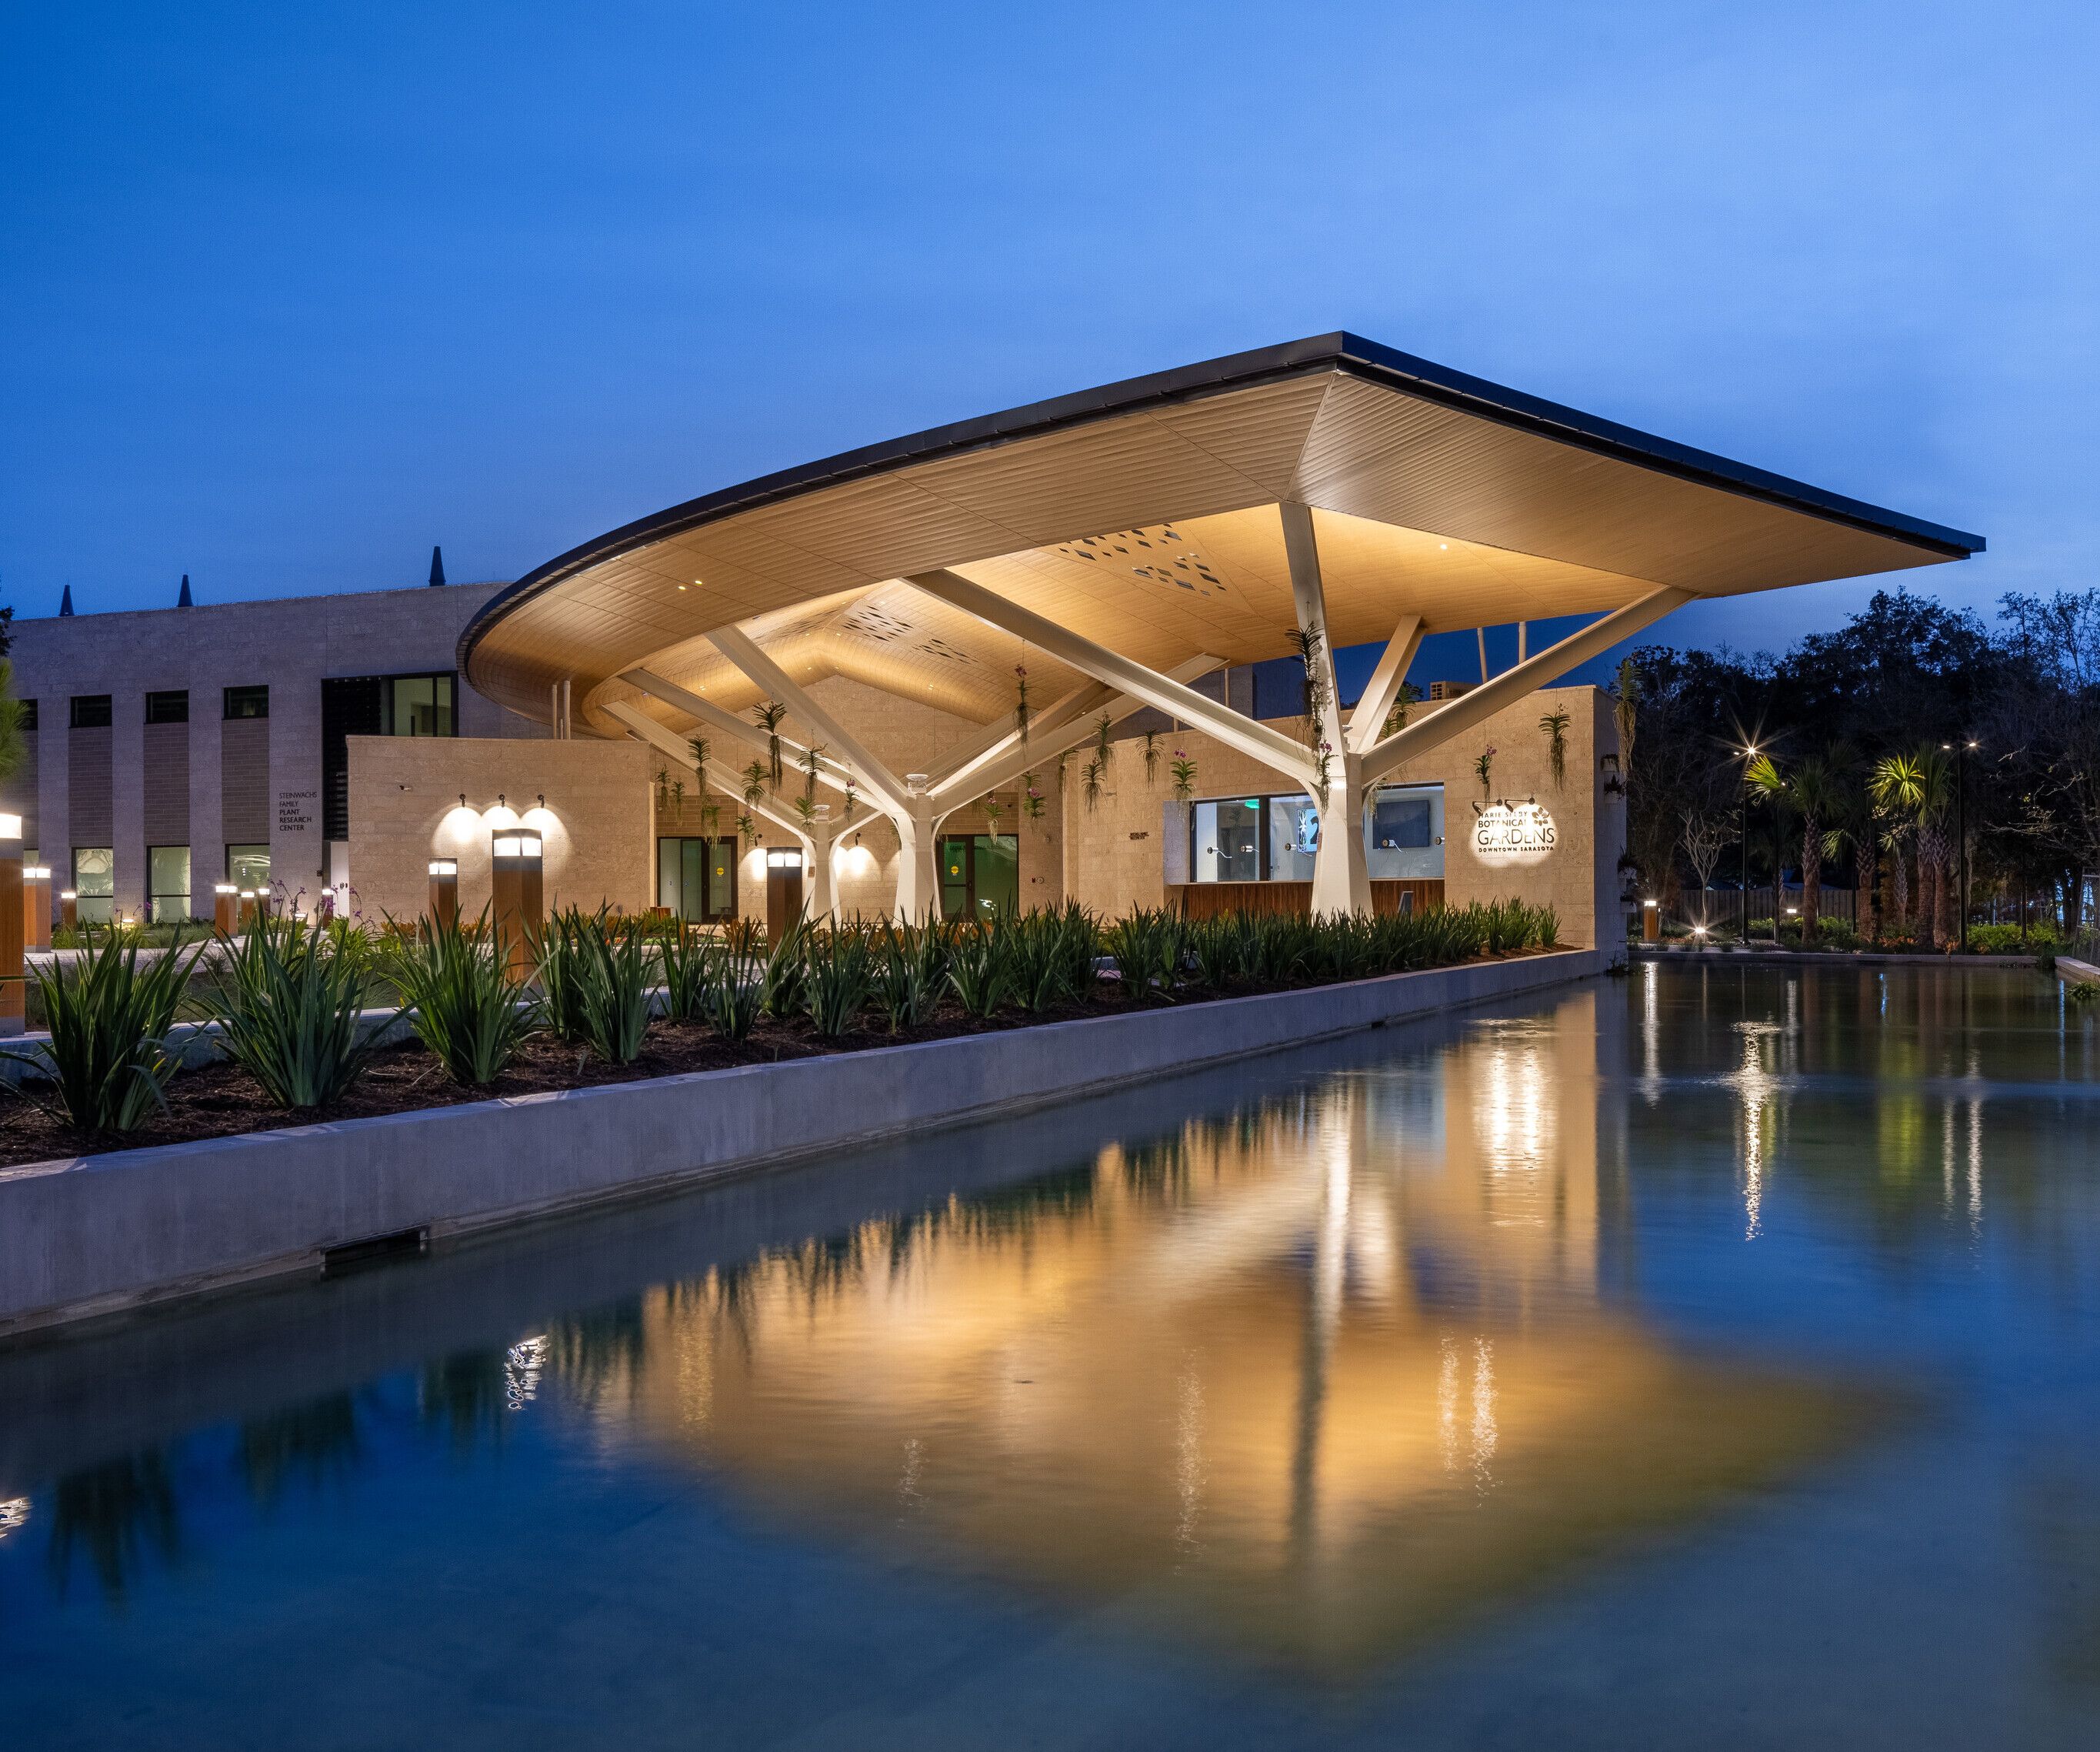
<point>980,875</point>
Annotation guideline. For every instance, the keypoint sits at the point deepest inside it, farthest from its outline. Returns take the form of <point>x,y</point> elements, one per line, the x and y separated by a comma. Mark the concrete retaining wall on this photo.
<point>101,1233</point>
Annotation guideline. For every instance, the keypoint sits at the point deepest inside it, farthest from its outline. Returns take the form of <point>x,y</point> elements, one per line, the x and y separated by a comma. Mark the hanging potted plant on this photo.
<point>1555,727</point>
<point>1184,770</point>
<point>768,717</point>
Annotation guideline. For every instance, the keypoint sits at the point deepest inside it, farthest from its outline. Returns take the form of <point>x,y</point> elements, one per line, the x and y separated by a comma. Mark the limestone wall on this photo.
<point>1113,855</point>
<point>405,810</point>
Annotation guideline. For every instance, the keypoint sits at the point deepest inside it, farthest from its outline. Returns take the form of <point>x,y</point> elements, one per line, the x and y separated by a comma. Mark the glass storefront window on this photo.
<point>167,884</point>
<point>248,866</point>
<point>696,878</point>
<point>95,882</point>
<point>1293,838</point>
<point>1227,843</point>
<point>980,875</point>
<point>1277,839</point>
<point>1406,836</point>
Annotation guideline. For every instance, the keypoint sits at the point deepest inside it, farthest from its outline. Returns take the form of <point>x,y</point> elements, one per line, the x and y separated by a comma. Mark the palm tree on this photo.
<point>1857,824</point>
<point>1918,788</point>
<point>1813,793</point>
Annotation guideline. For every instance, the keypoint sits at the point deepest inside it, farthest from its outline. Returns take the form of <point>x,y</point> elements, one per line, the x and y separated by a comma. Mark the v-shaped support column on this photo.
<point>1341,872</point>
<point>918,880</point>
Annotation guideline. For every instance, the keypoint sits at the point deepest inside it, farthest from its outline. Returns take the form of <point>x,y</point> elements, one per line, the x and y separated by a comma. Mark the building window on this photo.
<point>170,708</point>
<point>248,702</point>
<point>1407,840</point>
<point>28,716</point>
<point>420,705</point>
<point>980,875</point>
<point>95,882</point>
<point>696,878</point>
<point>1277,839</point>
<point>167,884</point>
<point>248,866</point>
<point>91,711</point>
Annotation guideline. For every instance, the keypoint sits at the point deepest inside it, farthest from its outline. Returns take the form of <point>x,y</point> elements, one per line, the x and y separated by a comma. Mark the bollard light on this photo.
<point>225,907</point>
<point>14,991</point>
<point>37,906</point>
<point>444,892</point>
<point>1651,922</point>
<point>69,910</point>
<point>248,899</point>
<point>514,881</point>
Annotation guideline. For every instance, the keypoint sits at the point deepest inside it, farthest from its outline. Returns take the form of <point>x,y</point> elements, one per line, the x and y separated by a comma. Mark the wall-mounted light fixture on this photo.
<point>462,799</point>
<point>542,796</point>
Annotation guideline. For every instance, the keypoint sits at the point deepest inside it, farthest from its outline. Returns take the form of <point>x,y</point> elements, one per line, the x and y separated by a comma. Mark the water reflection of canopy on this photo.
<point>1144,517</point>
<point>1313,1381</point>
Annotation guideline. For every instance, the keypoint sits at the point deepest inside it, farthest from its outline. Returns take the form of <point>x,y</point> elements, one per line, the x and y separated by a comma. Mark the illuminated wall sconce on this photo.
<point>14,993</point>
<point>37,906</point>
<point>1651,922</point>
<point>69,910</point>
<point>516,891</point>
<point>444,892</point>
<point>225,907</point>
<point>783,860</point>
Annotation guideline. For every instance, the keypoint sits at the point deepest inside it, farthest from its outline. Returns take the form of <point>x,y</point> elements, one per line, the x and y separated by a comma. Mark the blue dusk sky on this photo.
<point>290,293</point>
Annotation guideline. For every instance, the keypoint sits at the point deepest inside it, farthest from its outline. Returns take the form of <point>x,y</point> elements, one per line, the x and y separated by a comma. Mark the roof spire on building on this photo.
<point>437,567</point>
<point>65,602</point>
<point>183,600</point>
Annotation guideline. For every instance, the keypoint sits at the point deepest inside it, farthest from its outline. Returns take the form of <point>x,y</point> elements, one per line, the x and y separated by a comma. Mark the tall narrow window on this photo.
<point>95,882</point>
<point>167,884</point>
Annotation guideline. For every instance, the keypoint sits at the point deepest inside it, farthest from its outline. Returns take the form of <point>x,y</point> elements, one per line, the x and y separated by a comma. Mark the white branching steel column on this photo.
<point>1341,873</point>
<point>1066,732</point>
<point>816,841</point>
<point>1456,717</point>
<point>833,773</point>
<point>1386,679</point>
<point>918,888</point>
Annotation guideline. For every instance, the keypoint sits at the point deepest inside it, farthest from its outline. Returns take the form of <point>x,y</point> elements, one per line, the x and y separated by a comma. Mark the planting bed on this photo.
<point>223,1100</point>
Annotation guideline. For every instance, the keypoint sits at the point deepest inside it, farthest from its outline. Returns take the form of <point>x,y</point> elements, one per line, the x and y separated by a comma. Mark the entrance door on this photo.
<point>784,892</point>
<point>980,875</point>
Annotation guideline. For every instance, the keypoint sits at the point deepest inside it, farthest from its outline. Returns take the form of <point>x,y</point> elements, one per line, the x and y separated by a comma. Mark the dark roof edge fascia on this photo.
<point>1337,351</point>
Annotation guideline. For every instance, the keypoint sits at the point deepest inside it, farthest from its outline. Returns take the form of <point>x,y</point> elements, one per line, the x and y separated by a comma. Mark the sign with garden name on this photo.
<point>1509,830</point>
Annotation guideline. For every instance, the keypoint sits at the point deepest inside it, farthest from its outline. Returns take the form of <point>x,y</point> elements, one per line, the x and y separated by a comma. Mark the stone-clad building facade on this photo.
<point>175,748</point>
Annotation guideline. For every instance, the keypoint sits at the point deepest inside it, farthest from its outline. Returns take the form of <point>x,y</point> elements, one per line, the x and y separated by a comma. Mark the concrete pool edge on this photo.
<point>97,1235</point>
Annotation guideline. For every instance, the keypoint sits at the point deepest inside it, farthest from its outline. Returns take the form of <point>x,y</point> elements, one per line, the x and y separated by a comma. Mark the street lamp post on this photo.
<point>1749,754</point>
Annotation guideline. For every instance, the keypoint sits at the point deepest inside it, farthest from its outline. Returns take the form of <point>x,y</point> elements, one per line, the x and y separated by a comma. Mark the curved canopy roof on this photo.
<point>1143,516</point>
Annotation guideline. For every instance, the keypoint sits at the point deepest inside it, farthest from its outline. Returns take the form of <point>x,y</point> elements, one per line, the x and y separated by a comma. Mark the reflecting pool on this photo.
<point>1707,1357</point>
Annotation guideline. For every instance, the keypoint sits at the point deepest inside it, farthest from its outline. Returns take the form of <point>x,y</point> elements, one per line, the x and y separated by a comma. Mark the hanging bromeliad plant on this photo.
<point>1090,783</point>
<point>1312,682</point>
<point>1395,720</point>
<point>754,782</point>
<point>1151,758</point>
<point>1485,767</point>
<point>768,717</point>
<point>807,763</point>
<point>1184,776</point>
<point>748,828</point>
<point>1031,798</point>
<point>993,810</point>
<point>1103,748</point>
<point>806,808</point>
<point>852,798</point>
<point>1021,702</point>
<point>1554,725</point>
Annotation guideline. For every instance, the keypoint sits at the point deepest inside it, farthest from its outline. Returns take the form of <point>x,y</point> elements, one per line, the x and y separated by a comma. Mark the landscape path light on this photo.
<point>69,909</point>
<point>1651,922</point>
<point>225,907</point>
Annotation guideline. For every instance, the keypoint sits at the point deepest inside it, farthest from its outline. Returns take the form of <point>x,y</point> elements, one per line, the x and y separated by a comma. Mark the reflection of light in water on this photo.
<point>521,1365</point>
<point>908,1496</point>
<point>1447,1404</point>
<point>14,1514</point>
<point>1189,1470</point>
<point>1756,1087</point>
<point>1947,1156</point>
<point>1651,1032</point>
<point>1484,1410</point>
<point>1975,1167</point>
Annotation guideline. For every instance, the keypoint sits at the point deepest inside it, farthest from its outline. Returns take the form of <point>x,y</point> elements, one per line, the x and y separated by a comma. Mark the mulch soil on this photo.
<point>223,1100</point>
